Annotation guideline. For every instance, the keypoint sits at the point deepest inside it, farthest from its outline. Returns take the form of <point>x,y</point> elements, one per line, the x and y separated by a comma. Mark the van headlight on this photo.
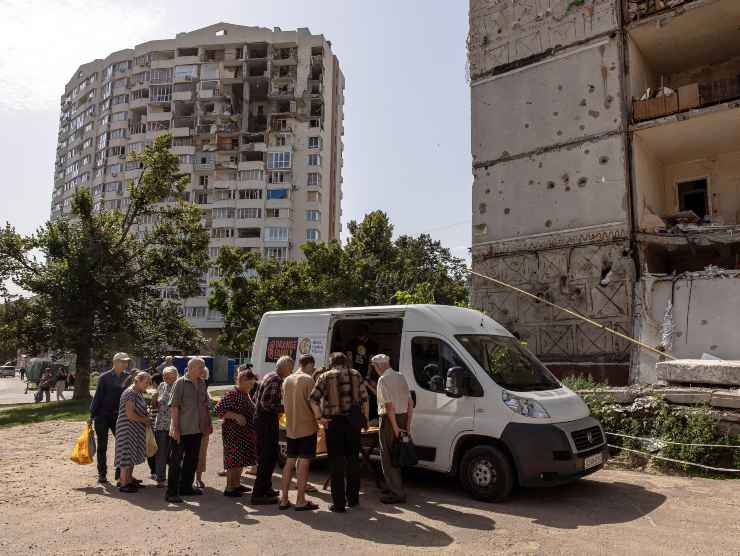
<point>524,406</point>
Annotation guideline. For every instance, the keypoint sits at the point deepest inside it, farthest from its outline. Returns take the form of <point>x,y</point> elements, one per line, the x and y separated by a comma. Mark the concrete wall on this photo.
<point>506,31</point>
<point>723,172</point>
<point>705,318</point>
<point>651,200</point>
<point>641,73</point>
<point>558,190</point>
<point>573,95</point>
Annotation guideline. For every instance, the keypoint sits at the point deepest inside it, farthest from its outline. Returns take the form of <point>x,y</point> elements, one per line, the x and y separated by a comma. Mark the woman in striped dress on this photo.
<point>133,419</point>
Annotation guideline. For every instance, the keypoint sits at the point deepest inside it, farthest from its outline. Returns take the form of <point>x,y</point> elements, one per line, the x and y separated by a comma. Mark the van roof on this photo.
<point>454,319</point>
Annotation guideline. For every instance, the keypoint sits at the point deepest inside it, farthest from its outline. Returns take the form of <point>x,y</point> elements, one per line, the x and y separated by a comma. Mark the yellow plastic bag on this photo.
<point>151,443</point>
<point>81,451</point>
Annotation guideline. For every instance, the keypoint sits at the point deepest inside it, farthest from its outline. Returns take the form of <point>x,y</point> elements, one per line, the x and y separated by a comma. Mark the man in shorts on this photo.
<point>301,431</point>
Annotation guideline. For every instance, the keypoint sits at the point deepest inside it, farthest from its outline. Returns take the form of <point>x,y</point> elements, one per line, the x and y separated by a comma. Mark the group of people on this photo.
<point>333,398</point>
<point>57,379</point>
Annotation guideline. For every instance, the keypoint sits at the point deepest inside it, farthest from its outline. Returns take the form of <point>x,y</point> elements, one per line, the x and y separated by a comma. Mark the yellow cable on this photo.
<point>574,314</point>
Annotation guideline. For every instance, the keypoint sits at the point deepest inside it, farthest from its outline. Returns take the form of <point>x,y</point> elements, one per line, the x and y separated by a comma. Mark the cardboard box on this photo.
<point>688,97</point>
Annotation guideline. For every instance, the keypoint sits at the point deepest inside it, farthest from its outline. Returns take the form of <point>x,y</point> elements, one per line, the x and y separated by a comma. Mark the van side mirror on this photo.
<point>455,386</point>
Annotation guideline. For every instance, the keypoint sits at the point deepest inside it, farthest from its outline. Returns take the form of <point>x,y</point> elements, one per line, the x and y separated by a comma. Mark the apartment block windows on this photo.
<point>276,234</point>
<point>247,175</point>
<point>313,196</point>
<point>185,158</point>
<point>249,233</point>
<point>314,142</point>
<point>118,133</point>
<point>107,90</point>
<point>203,181</point>
<point>186,73</point>
<point>160,75</point>
<point>161,94</point>
<point>136,147</point>
<point>249,213</point>
<point>120,83</point>
<point>223,212</point>
<point>280,254</point>
<point>279,177</point>
<point>278,160</point>
<point>693,195</point>
<point>312,234</point>
<point>119,116</point>
<point>120,99</point>
<point>222,233</point>
<point>314,159</point>
<point>194,312</point>
<point>102,141</point>
<point>280,141</point>
<point>313,215</point>
<point>250,193</point>
<point>278,194</point>
<point>272,213</point>
<point>117,151</point>
<point>213,252</point>
<point>314,178</point>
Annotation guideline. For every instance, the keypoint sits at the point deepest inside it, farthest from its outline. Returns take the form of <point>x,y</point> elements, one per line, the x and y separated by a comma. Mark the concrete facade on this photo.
<point>574,188</point>
<point>257,120</point>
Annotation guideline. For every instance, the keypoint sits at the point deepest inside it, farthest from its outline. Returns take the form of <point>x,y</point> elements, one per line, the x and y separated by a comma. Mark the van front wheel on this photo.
<point>486,474</point>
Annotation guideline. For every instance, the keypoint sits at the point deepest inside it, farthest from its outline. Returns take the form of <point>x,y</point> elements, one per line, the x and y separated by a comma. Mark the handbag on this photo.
<point>403,452</point>
<point>151,443</point>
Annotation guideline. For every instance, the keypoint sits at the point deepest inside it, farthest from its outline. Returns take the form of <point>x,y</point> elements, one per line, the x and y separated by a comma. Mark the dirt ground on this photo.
<point>49,505</point>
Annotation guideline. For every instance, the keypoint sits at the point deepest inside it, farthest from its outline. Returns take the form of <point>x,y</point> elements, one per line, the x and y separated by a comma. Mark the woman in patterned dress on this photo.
<point>237,410</point>
<point>133,419</point>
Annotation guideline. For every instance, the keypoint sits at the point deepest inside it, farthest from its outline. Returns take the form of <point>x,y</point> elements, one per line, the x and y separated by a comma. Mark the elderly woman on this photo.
<point>208,428</point>
<point>237,410</point>
<point>162,423</point>
<point>133,418</point>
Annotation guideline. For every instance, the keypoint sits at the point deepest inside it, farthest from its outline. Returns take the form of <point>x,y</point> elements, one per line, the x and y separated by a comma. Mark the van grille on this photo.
<point>587,438</point>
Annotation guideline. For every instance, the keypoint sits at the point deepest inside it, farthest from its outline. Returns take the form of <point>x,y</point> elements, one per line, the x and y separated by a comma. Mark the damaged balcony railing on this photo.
<point>638,9</point>
<point>687,97</point>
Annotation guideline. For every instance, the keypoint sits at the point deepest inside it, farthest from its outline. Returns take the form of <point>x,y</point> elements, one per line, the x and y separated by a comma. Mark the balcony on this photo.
<point>315,87</point>
<point>693,57</point>
<point>136,129</point>
<point>641,9</point>
<point>686,192</point>
<point>182,96</point>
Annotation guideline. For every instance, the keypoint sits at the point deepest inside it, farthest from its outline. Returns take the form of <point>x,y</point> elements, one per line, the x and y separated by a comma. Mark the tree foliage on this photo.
<point>95,277</point>
<point>370,269</point>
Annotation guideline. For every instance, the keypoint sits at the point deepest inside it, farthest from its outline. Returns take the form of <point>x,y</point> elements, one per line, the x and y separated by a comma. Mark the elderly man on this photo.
<point>395,408</point>
<point>269,406</point>
<point>337,399</point>
<point>104,409</point>
<point>188,421</point>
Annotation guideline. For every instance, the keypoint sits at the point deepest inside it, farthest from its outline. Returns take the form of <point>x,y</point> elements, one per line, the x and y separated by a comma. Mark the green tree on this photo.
<point>370,269</point>
<point>96,277</point>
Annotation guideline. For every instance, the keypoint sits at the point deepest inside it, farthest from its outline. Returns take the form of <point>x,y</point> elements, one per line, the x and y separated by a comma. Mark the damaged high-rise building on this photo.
<point>606,163</point>
<point>257,121</point>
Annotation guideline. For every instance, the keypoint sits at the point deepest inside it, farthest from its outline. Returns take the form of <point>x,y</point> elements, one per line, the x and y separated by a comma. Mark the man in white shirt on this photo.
<point>395,408</point>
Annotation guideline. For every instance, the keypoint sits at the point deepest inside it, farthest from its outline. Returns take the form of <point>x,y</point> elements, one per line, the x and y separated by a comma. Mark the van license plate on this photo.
<point>593,461</point>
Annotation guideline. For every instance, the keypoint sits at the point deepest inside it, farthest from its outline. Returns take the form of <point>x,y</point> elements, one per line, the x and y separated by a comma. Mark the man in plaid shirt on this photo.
<point>269,402</point>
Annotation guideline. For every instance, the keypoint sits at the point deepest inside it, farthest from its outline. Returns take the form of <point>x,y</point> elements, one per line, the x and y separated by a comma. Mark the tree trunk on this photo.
<point>82,376</point>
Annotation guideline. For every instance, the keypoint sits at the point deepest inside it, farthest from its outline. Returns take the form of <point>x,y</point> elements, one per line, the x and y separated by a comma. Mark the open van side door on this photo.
<point>438,419</point>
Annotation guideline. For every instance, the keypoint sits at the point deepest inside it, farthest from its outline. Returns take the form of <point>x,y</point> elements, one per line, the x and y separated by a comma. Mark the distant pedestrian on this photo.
<point>45,384</point>
<point>22,373</point>
<point>61,384</point>
<point>207,430</point>
<point>133,419</point>
<point>187,404</point>
<point>164,364</point>
<point>162,424</point>
<point>237,411</point>
<point>269,404</point>
<point>395,408</point>
<point>104,409</point>
<point>301,431</point>
<point>339,400</point>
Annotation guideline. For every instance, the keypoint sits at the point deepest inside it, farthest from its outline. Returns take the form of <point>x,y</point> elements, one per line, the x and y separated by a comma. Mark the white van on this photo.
<point>486,408</point>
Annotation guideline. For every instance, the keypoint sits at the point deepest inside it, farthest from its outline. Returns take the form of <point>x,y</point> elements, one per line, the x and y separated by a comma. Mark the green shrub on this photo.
<point>652,417</point>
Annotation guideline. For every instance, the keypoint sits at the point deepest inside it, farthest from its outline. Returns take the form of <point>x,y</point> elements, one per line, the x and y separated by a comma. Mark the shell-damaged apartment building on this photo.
<point>257,121</point>
<point>606,162</point>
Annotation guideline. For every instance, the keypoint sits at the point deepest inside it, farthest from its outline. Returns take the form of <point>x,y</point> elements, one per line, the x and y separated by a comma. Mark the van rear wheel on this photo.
<point>486,473</point>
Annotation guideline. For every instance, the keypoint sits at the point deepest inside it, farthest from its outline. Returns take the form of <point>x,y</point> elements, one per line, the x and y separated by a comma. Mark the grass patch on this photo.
<point>24,414</point>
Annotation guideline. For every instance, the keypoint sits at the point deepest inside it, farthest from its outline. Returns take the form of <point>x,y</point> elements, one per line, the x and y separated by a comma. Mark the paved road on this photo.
<point>12,391</point>
<point>611,512</point>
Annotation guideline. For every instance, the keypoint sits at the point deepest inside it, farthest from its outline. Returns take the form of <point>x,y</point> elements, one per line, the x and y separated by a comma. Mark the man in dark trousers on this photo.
<point>188,419</point>
<point>337,396</point>
<point>104,409</point>
<point>269,402</point>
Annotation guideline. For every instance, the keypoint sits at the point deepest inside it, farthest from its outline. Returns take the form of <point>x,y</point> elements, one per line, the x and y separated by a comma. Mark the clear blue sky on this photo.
<point>407,112</point>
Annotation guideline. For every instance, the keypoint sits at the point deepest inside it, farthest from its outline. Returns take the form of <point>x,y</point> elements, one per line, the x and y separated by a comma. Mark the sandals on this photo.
<point>285,506</point>
<point>200,484</point>
<point>307,507</point>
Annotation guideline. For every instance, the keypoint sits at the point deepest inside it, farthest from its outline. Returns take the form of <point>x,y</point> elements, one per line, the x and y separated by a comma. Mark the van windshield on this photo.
<point>508,363</point>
